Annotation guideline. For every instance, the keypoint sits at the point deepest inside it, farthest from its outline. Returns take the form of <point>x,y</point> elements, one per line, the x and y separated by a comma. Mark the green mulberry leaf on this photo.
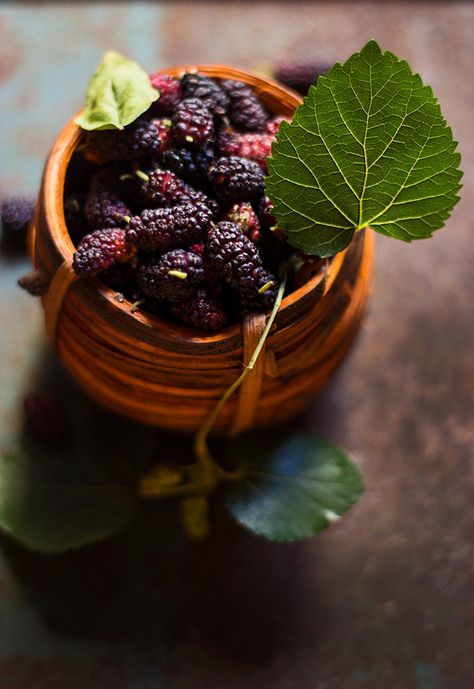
<point>292,487</point>
<point>118,93</point>
<point>368,147</point>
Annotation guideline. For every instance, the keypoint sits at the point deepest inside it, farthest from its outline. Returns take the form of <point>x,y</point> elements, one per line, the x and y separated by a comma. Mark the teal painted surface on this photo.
<point>49,54</point>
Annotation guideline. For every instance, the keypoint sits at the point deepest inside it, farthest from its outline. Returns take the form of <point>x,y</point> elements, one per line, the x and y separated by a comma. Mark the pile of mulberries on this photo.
<point>171,211</point>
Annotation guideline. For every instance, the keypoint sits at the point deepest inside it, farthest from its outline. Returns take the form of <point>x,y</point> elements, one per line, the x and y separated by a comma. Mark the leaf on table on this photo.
<point>78,489</point>
<point>369,146</point>
<point>292,487</point>
<point>118,93</point>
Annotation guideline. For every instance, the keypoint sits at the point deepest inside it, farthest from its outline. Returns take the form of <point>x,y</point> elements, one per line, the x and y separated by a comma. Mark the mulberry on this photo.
<point>170,93</point>
<point>300,74</point>
<point>174,278</point>
<point>237,259</point>
<point>103,208</point>
<point>162,229</point>
<point>201,311</point>
<point>236,179</point>
<point>163,188</point>
<point>245,110</point>
<point>206,90</point>
<point>100,250</point>
<point>192,124</point>
<point>243,215</point>
<point>273,125</point>
<point>141,138</point>
<point>16,213</point>
<point>256,147</point>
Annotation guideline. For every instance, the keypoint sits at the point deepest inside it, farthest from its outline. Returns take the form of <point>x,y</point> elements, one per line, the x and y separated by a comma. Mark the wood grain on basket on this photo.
<point>170,375</point>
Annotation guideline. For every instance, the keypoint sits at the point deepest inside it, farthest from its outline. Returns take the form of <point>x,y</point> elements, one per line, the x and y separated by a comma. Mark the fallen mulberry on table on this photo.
<point>201,311</point>
<point>16,213</point>
<point>300,74</point>
<point>170,93</point>
<point>100,250</point>
<point>245,110</point>
<point>162,229</point>
<point>103,208</point>
<point>192,125</point>
<point>175,278</point>
<point>237,259</point>
<point>206,90</point>
<point>243,215</point>
<point>236,179</point>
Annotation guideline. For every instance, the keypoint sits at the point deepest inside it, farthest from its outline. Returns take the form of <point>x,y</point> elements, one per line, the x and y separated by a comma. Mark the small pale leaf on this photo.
<point>118,93</point>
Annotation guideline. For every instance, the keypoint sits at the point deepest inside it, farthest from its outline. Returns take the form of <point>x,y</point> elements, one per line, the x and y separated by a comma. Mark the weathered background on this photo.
<point>383,600</point>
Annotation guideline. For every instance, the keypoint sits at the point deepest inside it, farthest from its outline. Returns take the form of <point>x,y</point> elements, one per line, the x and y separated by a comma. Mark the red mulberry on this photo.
<point>192,124</point>
<point>243,215</point>
<point>170,93</point>
<point>100,250</point>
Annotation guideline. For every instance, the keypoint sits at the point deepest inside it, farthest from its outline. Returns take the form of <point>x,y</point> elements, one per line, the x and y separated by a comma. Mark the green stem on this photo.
<point>201,448</point>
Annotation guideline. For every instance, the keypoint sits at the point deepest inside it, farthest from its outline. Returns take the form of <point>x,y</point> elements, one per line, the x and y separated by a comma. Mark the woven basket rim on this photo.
<point>53,188</point>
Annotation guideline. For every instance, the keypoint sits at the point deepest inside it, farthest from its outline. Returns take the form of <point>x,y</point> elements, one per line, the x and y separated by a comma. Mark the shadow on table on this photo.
<point>149,587</point>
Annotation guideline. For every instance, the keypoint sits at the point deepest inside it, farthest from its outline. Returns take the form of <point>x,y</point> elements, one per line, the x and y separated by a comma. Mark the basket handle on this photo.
<point>253,326</point>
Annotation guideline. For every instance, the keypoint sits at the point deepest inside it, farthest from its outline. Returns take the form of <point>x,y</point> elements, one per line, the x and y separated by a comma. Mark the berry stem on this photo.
<point>201,448</point>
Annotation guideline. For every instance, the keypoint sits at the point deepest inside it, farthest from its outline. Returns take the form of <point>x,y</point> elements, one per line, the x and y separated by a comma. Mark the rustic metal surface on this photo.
<point>384,599</point>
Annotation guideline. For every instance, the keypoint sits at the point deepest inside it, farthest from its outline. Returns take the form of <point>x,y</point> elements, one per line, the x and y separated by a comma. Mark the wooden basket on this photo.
<point>168,375</point>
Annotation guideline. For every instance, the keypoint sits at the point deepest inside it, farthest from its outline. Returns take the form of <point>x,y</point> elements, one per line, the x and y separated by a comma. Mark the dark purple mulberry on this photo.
<point>175,278</point>
<point>237,259</point>
<point>16,213</point>
<point>104,208</point>
<point>163,188</point>
<point>181,162</point>
<point>236,179</point>
<point>206,90</point>
<point>300,74</point>
<point>192,166</point>
<point>100,250</point>
<point>170,93</point>
<point>141,138</point>
<point>162,229</point>
<point>192,125</point>
<point>201,311</point>
<point>245,110</point>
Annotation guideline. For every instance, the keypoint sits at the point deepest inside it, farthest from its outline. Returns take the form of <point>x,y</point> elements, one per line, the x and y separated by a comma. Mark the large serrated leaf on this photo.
<point>118,93</point>
<point>368,147</point>
<point>291,487</point>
